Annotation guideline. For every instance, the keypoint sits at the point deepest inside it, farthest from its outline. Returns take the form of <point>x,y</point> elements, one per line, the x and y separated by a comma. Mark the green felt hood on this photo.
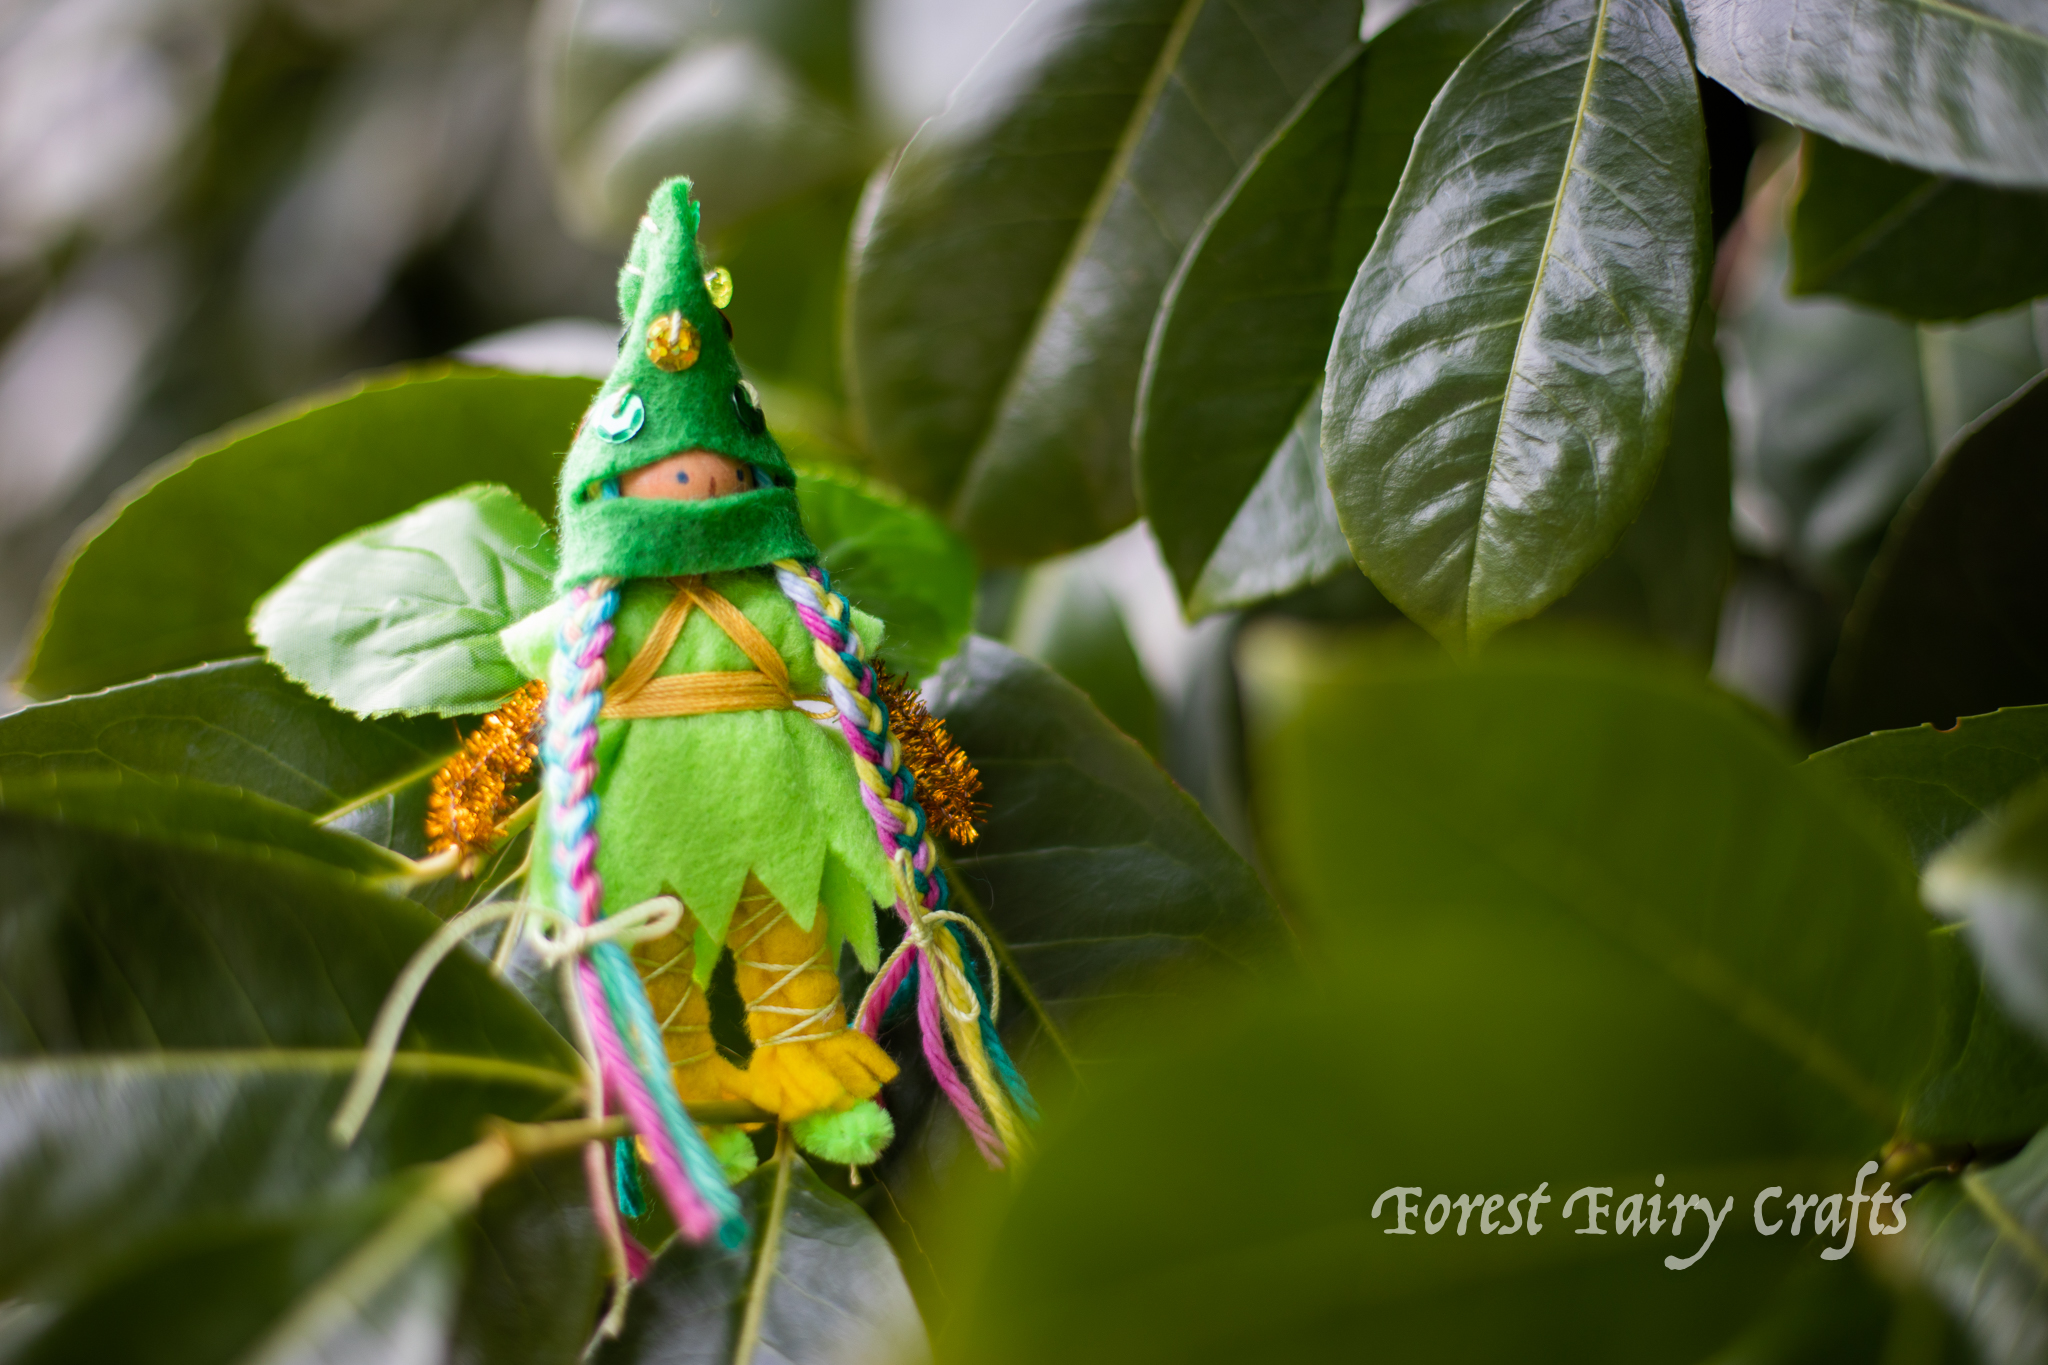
<point>644,413</point>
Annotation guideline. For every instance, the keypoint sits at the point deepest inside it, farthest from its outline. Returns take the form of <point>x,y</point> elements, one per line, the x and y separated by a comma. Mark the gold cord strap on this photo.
<point>639,695</point>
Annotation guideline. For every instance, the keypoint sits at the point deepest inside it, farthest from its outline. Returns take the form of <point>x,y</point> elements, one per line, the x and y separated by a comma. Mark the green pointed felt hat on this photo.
<point>676,387</point>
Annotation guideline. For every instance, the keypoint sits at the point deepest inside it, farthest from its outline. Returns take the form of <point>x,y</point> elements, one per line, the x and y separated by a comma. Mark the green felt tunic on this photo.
<point>690,804</point>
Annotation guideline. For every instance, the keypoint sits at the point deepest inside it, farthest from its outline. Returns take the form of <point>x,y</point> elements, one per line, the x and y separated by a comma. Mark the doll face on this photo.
<point>689,476</point>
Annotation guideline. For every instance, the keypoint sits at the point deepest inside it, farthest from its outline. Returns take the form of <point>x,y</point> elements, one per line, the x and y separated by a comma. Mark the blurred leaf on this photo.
<point>896,560</point>
<point>1838,411</point>
<point>1952,620</point>
<point>1848,1312</point>
<point>377,1277</point>
<point>1936,783</point>
<point>403,616</point>
<point>1623,799</point>
<point>166,578</point>
<point>751,101</point>
<point>1071,622</point>
<point>1995,879</point>
<point>1665,577</point>
<point>233,724</point>
<point>1240,338</point>
<point>1005,274</point>
<point>1501,384</point>
<point>1093,871</point>
<point>1284,535</point>
<point>1988,1081</point>
<point>1921,246</point>
<point>833,1291</point>
<point>1956,90</point>
<point>1980,1242</point>
<point>173,810</point>
<point>1578,921</point>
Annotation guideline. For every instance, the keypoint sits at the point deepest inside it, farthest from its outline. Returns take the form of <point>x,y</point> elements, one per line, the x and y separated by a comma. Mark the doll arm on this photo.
<point>530,641</point>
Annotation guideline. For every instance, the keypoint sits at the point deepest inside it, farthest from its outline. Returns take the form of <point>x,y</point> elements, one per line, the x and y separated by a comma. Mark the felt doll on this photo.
<point>715,735</point>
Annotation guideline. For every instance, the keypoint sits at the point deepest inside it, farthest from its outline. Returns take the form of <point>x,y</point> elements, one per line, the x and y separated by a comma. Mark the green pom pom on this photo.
<point>854,1138</point>
<point>734,1150</point>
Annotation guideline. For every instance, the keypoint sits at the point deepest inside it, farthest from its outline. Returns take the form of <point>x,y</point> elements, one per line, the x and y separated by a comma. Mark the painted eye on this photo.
<point>682,476</point>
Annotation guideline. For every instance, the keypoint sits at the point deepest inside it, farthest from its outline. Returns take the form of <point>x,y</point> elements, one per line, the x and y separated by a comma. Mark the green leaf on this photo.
<point>1239,341</point>
<point>1934,784</point>
<point>894,559</point>
<point>1093,870</point>
<point>1995,879</point>
<point>1666,575</point>
<point>1069,621</point>
<point>403,617</point>
<point>1923,246</point>
<point>1988,1081</point>
<point>1953,89</point>
<point>1006,273</point>
<point>361,1278</point>
<point>1615,798</point>
<point>177,1026</point>
<point>173,810</point>
<point>816,1283</point>
<point>1579,921</point>
<point>1951,620</point>
<point>1980,1243</point>
<point>166,577</point>
<point>234,724</point>
<point>1502,378</point>
<point>1285,534</point>
<point>1838,411</point>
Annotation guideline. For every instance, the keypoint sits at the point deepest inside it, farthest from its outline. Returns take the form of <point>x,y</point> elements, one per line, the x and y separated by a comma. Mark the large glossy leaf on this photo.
<point>1578,922</point>
<point>816,1285</point>
<point>1501,381</point>
<point>1665,577</point>
<point>1995,879</point>
<point>1952,620</point>
<point>1989,1080</point>
<point>1980,1242</point>
<point>1953,88</point>
<point>166,577</point>
<point>1916,244</point>
<point>177,1026</point>
<point>894,559</point>
<point>1839,411</point>
<point>1006,273</point>
<point>403,617</point>
<point>234,724</point>
<point>1239,342</point>
<point>173,810</point>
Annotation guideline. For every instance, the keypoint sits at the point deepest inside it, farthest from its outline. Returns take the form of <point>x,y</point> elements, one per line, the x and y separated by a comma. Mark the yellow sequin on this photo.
<point>719,282</point>
<point>672,342</point>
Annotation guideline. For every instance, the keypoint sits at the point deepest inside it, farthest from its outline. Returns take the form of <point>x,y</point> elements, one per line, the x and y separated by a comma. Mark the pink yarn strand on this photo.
<point>696,1221</point>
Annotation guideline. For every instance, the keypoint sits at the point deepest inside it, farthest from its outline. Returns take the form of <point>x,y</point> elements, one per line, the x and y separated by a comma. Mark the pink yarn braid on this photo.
<point>930,1017</point>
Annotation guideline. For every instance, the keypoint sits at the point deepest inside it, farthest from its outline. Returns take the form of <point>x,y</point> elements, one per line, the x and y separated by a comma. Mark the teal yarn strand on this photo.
<point>641,1034</point>
<point>626,1178</point>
